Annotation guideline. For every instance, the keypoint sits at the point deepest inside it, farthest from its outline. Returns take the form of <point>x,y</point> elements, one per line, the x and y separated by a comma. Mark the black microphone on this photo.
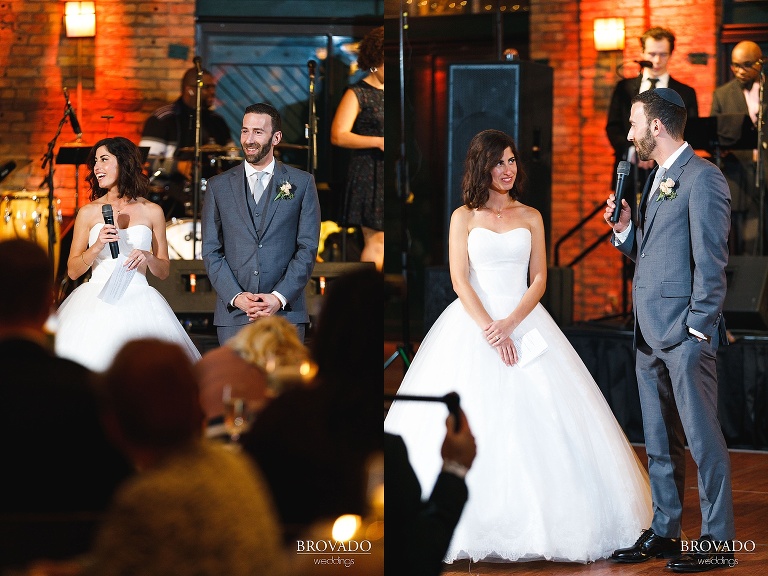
<point>72,118</point>
<point>644,63</point>
<point>622,170</point>
<point>198,64</point>
<point>312,65</point>
<point>6,169</point>
<point>106,210</point>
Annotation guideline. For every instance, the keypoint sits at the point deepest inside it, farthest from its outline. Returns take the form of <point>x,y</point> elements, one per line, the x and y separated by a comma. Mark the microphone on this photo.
<point>106,210</point>
<point>311,64</point>
<point>72,118</point>
<point>644,63</point>
<point>622,170</point>
<point>6,169</point>
<point>198,64</point>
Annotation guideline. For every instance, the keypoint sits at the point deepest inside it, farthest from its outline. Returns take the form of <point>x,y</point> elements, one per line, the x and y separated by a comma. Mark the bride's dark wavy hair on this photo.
<point>485,151</point>
<point>131,180</point>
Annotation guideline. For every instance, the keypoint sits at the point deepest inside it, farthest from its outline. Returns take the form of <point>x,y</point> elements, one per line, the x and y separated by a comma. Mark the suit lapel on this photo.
<point>674,172</point>
<point>239,192</point>
<point>280,176</point>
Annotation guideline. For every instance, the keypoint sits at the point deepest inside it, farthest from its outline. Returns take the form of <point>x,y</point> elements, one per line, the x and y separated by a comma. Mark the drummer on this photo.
<point>170,131</point>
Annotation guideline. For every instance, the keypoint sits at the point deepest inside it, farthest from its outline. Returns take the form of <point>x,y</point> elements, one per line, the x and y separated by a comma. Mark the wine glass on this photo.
<point>235,414</point>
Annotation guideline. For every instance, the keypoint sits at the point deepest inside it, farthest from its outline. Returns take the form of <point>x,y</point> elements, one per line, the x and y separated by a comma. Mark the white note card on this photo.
<point>529,346</point>
<point>118,282</point>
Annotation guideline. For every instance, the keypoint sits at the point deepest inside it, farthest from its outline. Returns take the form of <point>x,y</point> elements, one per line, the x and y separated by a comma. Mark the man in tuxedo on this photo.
<point>419,532</point>
<point>261,229</point>
<point>680,249</point>
<point>657,46</point>
<point>59,469</point>
<point>736,104</point>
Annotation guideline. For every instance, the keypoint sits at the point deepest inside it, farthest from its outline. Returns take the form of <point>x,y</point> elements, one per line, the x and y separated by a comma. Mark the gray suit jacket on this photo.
<point>280,256</point>
<point>680,250</point>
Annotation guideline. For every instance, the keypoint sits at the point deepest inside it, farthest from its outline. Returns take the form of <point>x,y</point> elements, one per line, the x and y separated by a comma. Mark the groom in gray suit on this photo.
<point>261,228</point>
<point>680,248</point>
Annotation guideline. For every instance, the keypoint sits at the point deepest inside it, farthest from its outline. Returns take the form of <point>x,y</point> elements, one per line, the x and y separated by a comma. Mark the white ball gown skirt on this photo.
<point>555,477</point>
<point>91,331</point>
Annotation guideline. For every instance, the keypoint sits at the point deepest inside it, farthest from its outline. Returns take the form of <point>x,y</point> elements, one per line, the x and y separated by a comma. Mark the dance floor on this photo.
<point>750,492</point>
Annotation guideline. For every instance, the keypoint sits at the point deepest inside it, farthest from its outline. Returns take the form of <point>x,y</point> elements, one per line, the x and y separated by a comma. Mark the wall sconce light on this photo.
<point>609,34</point>
<point>80,19</point>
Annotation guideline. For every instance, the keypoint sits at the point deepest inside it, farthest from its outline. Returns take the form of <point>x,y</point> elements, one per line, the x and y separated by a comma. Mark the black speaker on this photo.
<point>746,301</point>
<point>187,288</point>
<point>323,274</point>
<point>516,98</point>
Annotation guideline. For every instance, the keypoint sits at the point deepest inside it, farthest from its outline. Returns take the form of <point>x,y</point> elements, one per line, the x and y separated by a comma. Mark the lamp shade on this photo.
<point>609,34</point>
<point>80,19</point>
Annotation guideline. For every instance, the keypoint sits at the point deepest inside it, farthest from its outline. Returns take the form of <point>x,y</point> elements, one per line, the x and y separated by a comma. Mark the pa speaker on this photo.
<point>516,98</point>
<point>187,288</point>
<point>746,301</point>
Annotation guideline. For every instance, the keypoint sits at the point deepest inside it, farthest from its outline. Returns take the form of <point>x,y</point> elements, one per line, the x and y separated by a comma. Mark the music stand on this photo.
<point>74,154</point>
<point>701,134</point>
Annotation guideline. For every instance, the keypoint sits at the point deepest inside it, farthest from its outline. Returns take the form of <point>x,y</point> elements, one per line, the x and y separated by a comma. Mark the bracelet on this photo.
<point>83,259</point>
<point>453,467</point>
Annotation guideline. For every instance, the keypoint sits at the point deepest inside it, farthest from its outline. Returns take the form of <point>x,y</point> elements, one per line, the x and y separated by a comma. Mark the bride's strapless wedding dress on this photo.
<point>554,477</point>
<point>91,331</point>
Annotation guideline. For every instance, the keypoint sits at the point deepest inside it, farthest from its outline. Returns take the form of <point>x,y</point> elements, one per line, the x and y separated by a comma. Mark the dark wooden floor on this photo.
<point>750,492</point>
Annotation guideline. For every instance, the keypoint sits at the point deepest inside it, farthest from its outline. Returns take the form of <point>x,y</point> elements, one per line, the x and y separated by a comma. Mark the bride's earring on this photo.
<point>373,70</point>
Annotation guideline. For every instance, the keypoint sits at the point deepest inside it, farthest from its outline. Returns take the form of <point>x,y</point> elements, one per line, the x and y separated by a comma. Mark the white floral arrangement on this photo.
<point>284,191</point>
<point>667,190</point>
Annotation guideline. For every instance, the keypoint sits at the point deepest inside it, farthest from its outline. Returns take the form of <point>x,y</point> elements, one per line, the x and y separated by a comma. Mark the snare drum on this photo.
<point>25,216</point>
<point>179,234</point>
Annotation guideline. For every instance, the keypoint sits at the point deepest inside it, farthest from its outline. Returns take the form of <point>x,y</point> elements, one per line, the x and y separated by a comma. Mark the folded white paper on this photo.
<point>118,282</point>
<point>529,346</point>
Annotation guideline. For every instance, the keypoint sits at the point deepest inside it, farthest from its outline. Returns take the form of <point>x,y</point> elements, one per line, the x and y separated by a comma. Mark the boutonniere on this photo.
<point>667,190</point>
<point>284,191</point>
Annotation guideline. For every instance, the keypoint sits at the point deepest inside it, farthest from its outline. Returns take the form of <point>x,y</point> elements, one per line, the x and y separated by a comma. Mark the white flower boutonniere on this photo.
<point>284,191</point>
<point>667,190</point>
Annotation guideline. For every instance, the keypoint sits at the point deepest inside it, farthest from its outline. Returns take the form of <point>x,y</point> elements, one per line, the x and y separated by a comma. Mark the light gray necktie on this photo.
<point>257,188</point>
<point>660,174</point>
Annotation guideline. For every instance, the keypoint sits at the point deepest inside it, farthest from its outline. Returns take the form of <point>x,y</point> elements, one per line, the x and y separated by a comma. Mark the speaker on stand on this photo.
<point>516,98</point>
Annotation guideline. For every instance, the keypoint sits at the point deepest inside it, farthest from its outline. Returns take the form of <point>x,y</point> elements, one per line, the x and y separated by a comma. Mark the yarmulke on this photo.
<point>671,96</point>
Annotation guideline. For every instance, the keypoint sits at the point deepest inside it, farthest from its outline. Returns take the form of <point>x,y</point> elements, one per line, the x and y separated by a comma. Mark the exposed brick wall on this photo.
<point>126,72</point>
<point>561,33</point>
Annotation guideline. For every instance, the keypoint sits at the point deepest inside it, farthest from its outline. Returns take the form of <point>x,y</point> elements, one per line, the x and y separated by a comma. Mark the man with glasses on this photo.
<point>657,44</point>
<point>736,104</point>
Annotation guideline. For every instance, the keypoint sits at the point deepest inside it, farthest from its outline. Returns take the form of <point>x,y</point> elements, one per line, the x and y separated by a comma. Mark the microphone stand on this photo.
<point>311,127</point>
<point>196,168</point>
<point>48,181</point>
<point>405,350</point>
<point>759,176</point>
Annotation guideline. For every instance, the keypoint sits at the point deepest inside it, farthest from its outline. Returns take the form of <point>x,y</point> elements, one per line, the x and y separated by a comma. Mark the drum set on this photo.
<point>25,216</point>
<point>175,194</point>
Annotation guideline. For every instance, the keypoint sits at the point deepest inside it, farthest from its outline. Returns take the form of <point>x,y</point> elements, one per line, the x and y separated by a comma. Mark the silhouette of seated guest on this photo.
<point>313,443</point>
<point>58,463</point>
<point>419,532</point>
<point>195,507</point>
<point>242,363</point>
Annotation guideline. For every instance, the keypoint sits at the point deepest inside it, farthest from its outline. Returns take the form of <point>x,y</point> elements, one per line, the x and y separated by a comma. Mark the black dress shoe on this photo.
<point>701,562</point>
<point>649,545</point>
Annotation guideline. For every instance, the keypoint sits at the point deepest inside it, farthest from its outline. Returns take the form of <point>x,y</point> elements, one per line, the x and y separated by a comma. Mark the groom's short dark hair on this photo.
<point>269,110</point>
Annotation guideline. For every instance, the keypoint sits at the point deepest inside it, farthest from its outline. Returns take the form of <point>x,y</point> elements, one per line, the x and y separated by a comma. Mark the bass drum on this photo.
<point>179,234</point>
<point>25,216</point>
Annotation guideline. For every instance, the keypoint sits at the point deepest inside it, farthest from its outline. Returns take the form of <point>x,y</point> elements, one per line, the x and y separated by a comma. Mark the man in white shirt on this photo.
<point>736,105</point>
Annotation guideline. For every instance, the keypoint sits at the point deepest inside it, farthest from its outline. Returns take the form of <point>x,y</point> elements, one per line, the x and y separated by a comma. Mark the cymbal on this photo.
<point>188,152</point>
<point>293,146</point>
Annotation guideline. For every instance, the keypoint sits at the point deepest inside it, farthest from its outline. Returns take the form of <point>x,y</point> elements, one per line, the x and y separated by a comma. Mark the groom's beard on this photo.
<point>260,154</point>
<point>646,145</point>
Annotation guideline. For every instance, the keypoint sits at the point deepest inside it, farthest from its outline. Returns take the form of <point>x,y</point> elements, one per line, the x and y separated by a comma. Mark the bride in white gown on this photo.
<point>555,477</point>
<point>89,329</point>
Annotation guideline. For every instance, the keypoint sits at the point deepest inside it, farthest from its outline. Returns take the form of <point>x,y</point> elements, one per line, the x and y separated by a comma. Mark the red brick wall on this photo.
<point>561,33</point>
<point>125,72</point>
